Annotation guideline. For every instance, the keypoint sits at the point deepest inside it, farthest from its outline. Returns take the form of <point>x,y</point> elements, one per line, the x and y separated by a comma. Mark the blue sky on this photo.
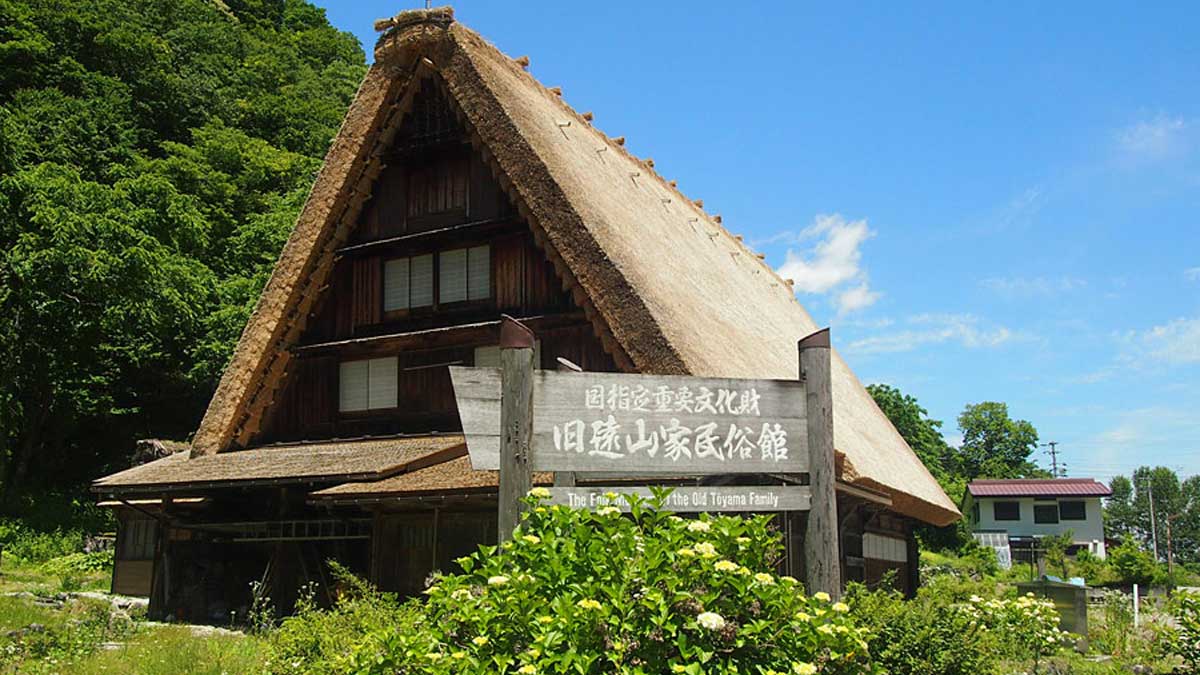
<point>984,202</point>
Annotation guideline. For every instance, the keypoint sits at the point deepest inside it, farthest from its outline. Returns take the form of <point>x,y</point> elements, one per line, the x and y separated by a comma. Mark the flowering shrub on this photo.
<point>1026,626</point>
<point>596,592</point>
<point>927,635</point>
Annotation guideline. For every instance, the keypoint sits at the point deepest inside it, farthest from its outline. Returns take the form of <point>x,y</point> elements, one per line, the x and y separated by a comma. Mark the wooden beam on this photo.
<point>465,334</point>
<point>453,231</point>
<point>821,553</point>
<point>516,423</point>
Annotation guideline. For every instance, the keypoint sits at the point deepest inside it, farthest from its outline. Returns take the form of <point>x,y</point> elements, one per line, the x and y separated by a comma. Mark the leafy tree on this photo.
<point>1132,564</point>
<point>154,156</point>
<point>1120,516</point>
<point>1128,513</point>
<point>994,445</point>
<point>923,434</point>
<point>1055,546</point>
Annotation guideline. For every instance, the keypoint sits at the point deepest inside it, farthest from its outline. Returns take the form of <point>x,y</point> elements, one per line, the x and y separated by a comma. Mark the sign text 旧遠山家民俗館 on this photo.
<point>652,424</point>
<point>720,432</point>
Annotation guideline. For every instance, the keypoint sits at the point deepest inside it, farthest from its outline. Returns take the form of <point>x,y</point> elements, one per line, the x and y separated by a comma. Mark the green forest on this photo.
<point>153,154</point>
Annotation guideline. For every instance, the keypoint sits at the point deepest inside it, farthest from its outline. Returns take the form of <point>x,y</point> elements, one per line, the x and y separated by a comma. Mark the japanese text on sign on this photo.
<point>666,399</point>
<point>726,442</point>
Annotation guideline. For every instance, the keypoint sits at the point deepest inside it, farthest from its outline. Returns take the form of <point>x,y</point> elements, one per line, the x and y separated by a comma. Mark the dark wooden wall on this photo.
<point>436,195</point>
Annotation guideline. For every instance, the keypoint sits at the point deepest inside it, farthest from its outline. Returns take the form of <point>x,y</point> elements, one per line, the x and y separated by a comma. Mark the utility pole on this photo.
<point>1054,472</point>
<point>1170,554</point>
<point>1149,485</point>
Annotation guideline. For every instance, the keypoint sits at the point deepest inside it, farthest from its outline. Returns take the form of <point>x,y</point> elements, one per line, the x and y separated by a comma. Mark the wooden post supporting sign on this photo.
<point>821,555</point>
<point>516,422</point>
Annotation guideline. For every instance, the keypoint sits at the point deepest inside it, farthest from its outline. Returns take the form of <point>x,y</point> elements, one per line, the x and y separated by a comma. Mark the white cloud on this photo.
<point>1024,287</point>
<point>1192,274</point>
<point>833,263</point>
<point>1154,138</point>
<point>1164,435</point>
<point>1176,342</point>
<point>856,298</point>
<point>927,329</point>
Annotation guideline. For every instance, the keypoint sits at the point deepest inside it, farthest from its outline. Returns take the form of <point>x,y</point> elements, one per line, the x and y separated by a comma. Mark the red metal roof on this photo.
<point>1039,487</point>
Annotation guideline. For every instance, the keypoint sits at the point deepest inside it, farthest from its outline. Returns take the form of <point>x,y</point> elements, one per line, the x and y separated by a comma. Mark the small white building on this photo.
<point>1022,510</point>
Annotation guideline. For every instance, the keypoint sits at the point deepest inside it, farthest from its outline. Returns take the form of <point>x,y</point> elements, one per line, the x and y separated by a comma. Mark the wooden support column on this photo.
<point>913,555</point>
<point>821,546</point>
<point>516,422</point>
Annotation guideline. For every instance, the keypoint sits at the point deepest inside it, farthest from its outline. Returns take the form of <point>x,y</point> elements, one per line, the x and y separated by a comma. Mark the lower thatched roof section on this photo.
<point>333,461</point>
<point>454,476</point>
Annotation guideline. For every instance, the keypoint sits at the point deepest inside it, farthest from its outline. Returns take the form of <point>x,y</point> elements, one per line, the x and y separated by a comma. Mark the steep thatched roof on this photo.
<point>666,287</point>
<point>328,462</point>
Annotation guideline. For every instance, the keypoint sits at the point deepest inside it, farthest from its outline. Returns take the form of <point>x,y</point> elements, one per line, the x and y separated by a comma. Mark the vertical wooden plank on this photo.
<point>565,478</point>
<point>516,422</point>
<point>913,554</point>
<point>822,558</point>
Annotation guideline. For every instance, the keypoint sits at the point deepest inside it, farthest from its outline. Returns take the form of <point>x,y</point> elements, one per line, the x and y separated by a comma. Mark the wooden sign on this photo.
<point>693,499</point>
<point>642,424</point>
<point>518,420</point>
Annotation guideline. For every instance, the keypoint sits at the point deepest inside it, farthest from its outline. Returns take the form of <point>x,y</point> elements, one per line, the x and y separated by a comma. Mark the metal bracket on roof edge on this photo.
<point>514,334</point>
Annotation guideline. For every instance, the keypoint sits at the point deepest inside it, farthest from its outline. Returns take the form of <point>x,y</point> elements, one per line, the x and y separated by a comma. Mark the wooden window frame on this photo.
<point>368,411</point>
<point>438,305</point>
<point>405,312</point>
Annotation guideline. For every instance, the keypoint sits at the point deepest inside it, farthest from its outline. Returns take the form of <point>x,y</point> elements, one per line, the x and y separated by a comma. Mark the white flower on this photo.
<point>822,596</point>
<point>706,549</point>
<point>540,493</point>
<point>498,580</point>
<point>698,526</point>
<point>607,510</point>
<point>711,620</point>
<point>764,578</point>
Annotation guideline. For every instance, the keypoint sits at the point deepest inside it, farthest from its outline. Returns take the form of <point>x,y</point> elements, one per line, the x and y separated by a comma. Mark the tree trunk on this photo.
<point>27,447</point>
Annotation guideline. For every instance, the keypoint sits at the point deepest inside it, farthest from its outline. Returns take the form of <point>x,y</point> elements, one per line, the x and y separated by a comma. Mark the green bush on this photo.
<point>1131,564</point>
<point>924,636</point>
<point>60,636</point>
<point>1185,608</point>
<point>587,592</point>
<point>80,563</point>
<point>1025,628</point>
<point>28,545</point>
<point>315,641</point>
<point>1092,568</point>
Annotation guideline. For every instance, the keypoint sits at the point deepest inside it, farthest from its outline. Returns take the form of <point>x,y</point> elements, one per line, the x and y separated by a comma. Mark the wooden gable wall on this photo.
<point>436,196</point>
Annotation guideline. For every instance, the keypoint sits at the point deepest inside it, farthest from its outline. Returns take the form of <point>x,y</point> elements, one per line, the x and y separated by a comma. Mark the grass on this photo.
<point>41,579</point>
<point>70,639</point>
<point>171,650</point>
